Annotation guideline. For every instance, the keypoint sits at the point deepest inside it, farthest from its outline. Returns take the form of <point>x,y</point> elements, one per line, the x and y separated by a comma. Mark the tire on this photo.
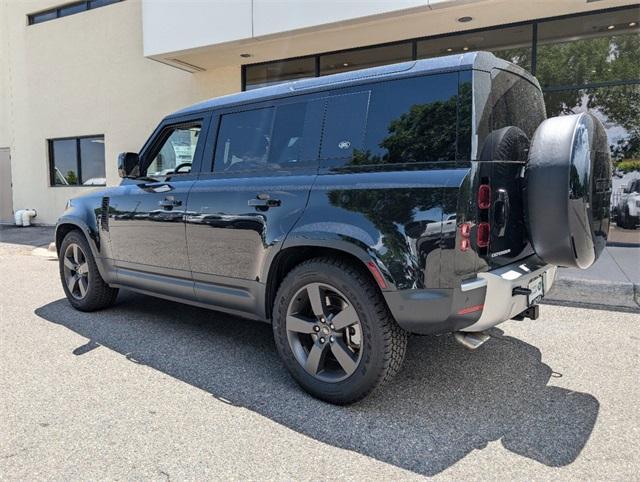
<point>507,144</point>
<point>568,190</point>
<point>376,344</point>
<point>87,291</point>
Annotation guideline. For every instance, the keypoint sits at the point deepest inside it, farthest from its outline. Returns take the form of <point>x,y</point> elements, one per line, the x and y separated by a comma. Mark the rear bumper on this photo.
<point>500,304</point>
<point>475,305</point>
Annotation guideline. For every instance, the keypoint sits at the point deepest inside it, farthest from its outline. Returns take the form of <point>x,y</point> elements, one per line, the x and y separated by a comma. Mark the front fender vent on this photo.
<point>104,214</point>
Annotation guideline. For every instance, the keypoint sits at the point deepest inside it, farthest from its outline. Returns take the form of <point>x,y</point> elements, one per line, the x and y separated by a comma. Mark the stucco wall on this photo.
<point>81,75</point>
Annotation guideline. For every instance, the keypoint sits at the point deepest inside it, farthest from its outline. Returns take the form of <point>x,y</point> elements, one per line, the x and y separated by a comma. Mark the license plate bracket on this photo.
<point>536,286</point>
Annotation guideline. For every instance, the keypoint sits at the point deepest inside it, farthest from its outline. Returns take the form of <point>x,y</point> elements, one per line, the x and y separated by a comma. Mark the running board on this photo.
<point>471,340</point>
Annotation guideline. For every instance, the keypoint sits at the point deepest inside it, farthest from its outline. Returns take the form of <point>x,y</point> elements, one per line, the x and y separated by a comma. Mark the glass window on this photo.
<point>344,125</point>
<point>618,108</point>
<point>363,58</point>
<point>177,152</point>
<point>243,140</point>
<point>276,72</point>
<point>77,161</point>
<point>589,49</point>
<point>512,44</point>
<point>101,3</point>
<point>71,9</point>
<point>65,162</point>
<point>282,137</point>
<point>411,120</point>
<point>92,161</point>
<point>296,134</point>
<point>43,16</point>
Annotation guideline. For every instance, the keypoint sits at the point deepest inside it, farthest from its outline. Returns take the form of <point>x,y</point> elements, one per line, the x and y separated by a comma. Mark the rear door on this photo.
<point>514,104</point>
<point>146,222</point>
<point>264,164</point>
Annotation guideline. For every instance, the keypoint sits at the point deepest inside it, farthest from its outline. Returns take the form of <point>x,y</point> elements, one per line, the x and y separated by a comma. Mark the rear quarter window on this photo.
<point>401,121</point>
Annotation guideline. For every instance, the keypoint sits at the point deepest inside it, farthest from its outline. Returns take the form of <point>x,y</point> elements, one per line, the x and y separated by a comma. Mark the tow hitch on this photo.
<point>532,312</point>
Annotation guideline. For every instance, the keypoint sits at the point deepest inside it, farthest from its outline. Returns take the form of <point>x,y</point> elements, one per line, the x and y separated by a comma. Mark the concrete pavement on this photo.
<point>156,390</point>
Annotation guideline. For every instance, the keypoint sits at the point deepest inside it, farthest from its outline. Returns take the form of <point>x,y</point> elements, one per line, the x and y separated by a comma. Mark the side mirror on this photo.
<point>128,164</point>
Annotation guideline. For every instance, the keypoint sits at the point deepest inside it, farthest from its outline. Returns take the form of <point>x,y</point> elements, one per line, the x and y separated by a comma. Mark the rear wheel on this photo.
<point>81,280</point>
<point>334,331</point>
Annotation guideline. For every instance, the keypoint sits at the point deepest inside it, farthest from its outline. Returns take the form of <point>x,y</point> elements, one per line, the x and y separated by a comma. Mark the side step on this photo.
<point>471,340</point>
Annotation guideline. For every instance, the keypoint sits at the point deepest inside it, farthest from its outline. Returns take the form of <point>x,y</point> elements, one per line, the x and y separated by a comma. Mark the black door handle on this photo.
<point>263,201</point>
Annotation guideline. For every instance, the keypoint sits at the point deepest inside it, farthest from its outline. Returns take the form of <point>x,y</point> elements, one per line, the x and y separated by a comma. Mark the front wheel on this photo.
<point>334,332</point>
<point>81,280</point>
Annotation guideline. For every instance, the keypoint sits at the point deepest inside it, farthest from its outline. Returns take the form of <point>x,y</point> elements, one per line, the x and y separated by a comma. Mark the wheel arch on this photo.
<point>293,254</point>
<point>68,224</point>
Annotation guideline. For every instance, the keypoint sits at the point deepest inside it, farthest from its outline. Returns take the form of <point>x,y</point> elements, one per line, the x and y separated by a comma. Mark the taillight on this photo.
<point>483,233</point>
<point>465,233</point>
<point>484,196</point>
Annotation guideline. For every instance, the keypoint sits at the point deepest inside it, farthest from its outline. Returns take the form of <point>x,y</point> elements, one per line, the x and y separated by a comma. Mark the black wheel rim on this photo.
<point>324,332</point>
<point>76,271</point>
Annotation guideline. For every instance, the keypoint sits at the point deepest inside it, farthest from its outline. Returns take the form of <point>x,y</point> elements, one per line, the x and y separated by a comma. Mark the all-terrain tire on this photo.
<point>383,345</point>
<point>99,295</point>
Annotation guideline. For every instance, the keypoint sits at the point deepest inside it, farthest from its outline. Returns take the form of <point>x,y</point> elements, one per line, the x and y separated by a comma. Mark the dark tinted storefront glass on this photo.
<point>618,107</point>
<point>363,58</point>
<point>277,72</point>
<point>512,44</point>
<point>589,49</point>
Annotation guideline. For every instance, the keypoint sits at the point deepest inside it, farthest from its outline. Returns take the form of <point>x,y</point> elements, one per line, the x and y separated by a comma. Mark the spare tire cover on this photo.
<point>568,183</point>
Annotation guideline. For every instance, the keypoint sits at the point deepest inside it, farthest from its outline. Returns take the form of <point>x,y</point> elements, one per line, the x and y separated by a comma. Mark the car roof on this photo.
<point>483,61</point>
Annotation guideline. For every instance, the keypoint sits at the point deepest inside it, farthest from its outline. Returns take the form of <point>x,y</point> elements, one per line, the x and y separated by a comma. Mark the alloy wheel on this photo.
<point>76,271</point>
<point>324,332</point>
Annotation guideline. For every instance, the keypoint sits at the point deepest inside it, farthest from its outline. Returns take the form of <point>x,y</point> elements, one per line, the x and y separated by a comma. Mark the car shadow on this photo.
<point>445,403</point>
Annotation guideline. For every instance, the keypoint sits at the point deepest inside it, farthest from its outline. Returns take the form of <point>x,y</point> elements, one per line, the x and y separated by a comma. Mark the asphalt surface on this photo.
<point>151,389</point>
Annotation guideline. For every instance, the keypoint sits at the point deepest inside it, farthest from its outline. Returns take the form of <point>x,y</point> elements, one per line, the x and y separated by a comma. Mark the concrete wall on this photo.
<point>81,75</point>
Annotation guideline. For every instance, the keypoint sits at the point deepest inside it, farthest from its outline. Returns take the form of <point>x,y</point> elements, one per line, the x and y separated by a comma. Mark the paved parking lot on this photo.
<point>155,390</point>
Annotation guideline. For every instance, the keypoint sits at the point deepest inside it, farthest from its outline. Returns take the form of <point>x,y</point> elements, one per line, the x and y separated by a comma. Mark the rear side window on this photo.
<point>276,138</point>
<point>344,126</point>
<point>401,121</point>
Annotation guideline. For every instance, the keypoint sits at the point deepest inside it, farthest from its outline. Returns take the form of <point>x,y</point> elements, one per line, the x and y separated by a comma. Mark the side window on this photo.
<point>344,126</point>
<point>412,120</point>
<point>296,135</point>
<point>177,152</point>
<point>243,140</point>
<point>399,121</point>
<point>282,137</point>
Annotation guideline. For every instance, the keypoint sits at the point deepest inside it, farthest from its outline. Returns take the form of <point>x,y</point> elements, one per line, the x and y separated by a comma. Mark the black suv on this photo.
<point>350,210</point>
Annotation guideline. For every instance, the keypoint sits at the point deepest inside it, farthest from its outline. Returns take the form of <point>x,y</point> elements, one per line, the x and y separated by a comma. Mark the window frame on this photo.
<point>52,164</point>
<point>163,131</point>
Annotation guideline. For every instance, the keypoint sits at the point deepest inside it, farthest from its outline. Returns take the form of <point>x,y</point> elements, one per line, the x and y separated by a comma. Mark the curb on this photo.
<point>46,252</point>
<point>595,293</point>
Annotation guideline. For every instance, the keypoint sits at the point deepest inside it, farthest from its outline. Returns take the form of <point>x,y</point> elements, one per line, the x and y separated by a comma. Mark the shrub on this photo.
<point>629,165</point>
